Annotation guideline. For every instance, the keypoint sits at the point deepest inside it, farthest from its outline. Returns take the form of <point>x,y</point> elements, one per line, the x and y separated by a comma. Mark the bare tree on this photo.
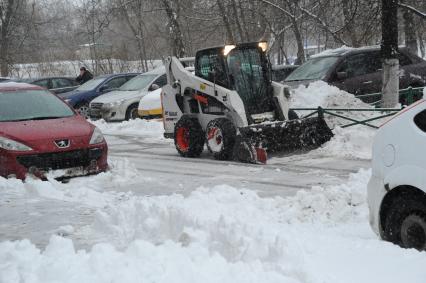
<point>15,18</point>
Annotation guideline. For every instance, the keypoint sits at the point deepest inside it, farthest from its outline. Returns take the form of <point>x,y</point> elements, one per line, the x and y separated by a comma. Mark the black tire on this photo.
<point>292,115</point>
<point>132,112</point>
<point>83,109</point>
<point>220,138</point>
<point>189,137</point>
<point>405,223</point>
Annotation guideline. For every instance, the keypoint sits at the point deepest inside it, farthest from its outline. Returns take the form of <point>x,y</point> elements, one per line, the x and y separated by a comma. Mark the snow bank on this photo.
<point>139,128</point>
<point>354,143</point>
<point>351,142</point>
<point>320,93</point>
<point>220,234</point>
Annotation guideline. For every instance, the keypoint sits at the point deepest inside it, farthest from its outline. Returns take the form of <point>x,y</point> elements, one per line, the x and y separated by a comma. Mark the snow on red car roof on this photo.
<point>12,86</point>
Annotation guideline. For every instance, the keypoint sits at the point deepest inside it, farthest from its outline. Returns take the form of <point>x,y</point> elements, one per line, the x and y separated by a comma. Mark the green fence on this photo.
<point>407,96</point>
<point>383,113</point>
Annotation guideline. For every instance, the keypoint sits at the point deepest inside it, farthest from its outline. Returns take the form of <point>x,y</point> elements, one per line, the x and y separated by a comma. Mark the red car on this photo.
<point>39,132</point>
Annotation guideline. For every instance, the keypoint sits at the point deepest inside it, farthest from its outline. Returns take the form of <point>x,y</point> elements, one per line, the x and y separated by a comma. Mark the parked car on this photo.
<point>150,105</point>
<point>39,132</point>
<point>122,104</point>
<point>280,72</point>
<point>358,70</point>
<point>397,188</point>
<point>54,84</point>
<point>5,79</point>
<point>81,96</point>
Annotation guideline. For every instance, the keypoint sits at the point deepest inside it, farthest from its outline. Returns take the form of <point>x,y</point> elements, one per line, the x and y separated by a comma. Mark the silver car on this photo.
<point>122,104</point>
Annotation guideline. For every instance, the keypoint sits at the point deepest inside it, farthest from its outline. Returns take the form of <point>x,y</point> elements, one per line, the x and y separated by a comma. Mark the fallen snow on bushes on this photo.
<point>217,234</point>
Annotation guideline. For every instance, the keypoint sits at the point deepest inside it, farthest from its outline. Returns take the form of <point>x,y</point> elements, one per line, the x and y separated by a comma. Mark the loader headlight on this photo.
<point>97,136</point>
<point>228,49</point>
<point>9,144</point>
<point>263,45</point>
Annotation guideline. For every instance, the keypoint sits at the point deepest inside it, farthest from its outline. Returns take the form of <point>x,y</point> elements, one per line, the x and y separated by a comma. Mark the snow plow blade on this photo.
<point>254,143</point>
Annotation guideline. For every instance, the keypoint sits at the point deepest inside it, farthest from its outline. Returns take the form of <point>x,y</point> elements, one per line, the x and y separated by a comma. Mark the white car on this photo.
<point>150,105</point>
<point>397,188</point>
<point>122,104</point>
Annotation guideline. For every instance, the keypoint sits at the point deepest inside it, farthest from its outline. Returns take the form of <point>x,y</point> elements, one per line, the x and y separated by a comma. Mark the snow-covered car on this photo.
<point>150,105</point>
<point>397,188</point>
<point>358,71</point>
<point>122,104</point>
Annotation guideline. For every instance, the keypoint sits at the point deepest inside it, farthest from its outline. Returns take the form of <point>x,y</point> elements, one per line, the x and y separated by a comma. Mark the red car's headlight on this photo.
<point>97,136</point>
<point>9,144</point>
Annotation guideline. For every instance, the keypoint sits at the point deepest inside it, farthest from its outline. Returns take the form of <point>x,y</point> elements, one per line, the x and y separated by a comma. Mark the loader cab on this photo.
<point>244,68</point>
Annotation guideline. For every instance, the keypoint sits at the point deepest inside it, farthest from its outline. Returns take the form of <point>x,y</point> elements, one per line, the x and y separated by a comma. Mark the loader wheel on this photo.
<point>220,138</point>
<point>189,137</point>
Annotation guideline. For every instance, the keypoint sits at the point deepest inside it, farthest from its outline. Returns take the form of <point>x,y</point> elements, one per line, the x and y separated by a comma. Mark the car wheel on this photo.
<point>132,112</point>
<point>189,137</point>
<point>220,138</point>
<point>83,110</point>
<point>405,223</point>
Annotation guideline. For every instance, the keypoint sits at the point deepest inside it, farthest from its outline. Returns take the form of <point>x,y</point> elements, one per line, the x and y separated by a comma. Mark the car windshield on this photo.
<point>314,69</point>
<point>138,82</point>
<point>89,85</point>
<point>31,105</point>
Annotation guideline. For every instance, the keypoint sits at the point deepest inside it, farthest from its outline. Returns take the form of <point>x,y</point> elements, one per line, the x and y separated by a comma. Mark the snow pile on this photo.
<point>139,128</point>
<point>354,143</point>
<point>351,142</point>
<point>319,93</point>
<point>85,190</point>
<point>220,234</point>
<point>219,216</point>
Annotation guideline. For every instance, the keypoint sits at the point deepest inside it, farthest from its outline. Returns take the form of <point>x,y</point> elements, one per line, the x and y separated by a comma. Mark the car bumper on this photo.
<point>63,164</point>
<point>158,112</point>
<point>108,114</point>
<point>375,194</point>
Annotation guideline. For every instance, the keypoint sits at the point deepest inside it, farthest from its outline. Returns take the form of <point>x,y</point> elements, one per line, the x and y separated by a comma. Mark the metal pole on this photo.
<point>389,49</point>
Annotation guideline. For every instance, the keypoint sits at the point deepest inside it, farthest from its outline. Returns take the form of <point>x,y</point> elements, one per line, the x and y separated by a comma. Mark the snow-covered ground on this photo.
<point>157,217</point>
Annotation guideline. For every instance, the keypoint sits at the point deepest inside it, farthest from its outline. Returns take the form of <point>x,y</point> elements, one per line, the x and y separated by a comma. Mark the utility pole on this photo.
<point>389,50</point>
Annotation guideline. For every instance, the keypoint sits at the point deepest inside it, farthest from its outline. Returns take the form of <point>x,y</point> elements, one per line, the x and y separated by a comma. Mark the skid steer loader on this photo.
<point>231,104</point>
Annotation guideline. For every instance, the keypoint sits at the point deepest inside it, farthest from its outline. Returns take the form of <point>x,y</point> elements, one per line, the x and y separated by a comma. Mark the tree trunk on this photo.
<point>174,29</point>
<point>237,20</point>
<point>299,40</point>
<point>4,62</point>
<point>389,50</point>
<point>229,35</point>
<point>350,30</point>
<point>410,31</point>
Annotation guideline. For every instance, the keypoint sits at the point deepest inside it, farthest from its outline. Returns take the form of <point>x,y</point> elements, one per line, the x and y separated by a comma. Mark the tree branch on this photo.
<point>412,9</point>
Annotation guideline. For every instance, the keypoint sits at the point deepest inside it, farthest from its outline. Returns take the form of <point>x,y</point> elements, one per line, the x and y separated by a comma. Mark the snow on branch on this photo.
<point>412,9</point>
